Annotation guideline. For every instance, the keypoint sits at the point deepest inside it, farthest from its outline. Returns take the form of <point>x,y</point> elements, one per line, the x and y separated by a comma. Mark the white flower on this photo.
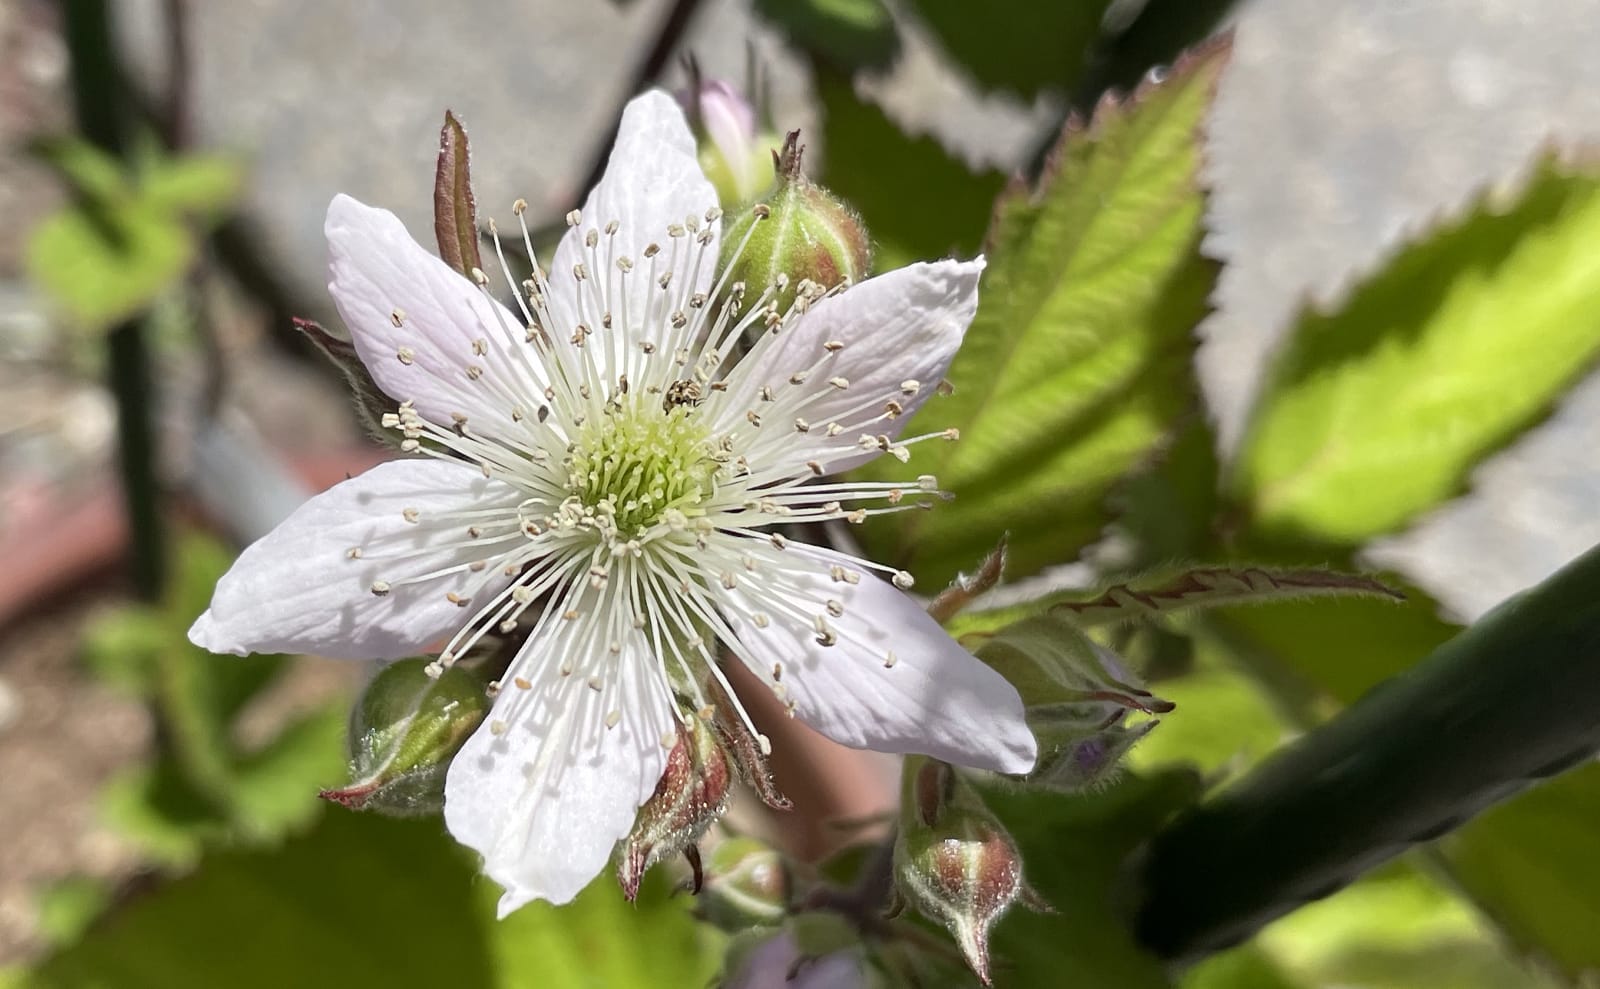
<point>616,468</point>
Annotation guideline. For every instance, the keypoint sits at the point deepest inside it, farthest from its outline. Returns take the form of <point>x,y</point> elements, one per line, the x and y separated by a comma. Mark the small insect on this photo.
<point>682,392</point>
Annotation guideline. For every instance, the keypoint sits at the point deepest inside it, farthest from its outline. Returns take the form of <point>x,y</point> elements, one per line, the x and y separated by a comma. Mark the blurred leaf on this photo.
<point>1022,46</point>
<point>1394,929</point>
<point>201,186</point>
<point>274,788</point>
<point>1077,368</point>
<point>123,240</point>
<point>103,268</point>
<point>1222,722</point>
<point>1073,849</point>
<point>918,201</point>
<point>1379,411</point>
<point>67,908</point>
<point>370,901</point>
<point>1530,864</point>
<point>203,787</point>
<point>850,34</point>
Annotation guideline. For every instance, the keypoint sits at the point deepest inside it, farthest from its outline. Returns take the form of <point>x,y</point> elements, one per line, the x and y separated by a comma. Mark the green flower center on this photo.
<point>639,462</point>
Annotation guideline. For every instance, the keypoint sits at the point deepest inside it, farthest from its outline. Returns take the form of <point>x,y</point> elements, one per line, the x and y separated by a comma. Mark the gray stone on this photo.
<point>1340,131</point>
<point>348,97</point>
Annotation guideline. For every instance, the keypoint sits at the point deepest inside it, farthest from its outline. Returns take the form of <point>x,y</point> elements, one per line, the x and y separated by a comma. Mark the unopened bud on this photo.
<point>1050,661</point>
<point>746,885</point>
<point>1078,694</point>
<point>732,142</point>
<point>963,871</point>
<point>691,794</point>
<point>404,731</point>
<point>800,234</point>
<point>1079,750</point>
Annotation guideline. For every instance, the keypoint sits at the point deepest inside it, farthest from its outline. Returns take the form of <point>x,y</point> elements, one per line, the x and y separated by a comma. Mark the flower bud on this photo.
<point>963,871</point>
<point>746,885</point>
<point>733,144</point>
<point>404,731</point>
<point>1078,695</point>
<point>1081,746</point>
<point>800,233</point>
<point>691,794</point>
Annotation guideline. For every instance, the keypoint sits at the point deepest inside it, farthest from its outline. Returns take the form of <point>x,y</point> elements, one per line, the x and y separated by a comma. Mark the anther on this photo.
<point>397,317</point>
<point>406,356</point>
<point>380,587</point>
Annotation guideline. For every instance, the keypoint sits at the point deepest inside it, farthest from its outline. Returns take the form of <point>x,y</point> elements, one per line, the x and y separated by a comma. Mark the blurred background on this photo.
<point>158,409</point>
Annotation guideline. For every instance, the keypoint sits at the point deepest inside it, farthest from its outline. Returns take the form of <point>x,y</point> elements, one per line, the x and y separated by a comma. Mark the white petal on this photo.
<point>904,325</point>
<point>298,589</point>
<point>936,699</point>
<point>463,352</point>
<point>652,180</point>
<point>545,801</point>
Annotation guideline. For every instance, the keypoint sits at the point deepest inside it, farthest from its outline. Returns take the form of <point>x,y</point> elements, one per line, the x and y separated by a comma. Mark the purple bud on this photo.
<point>733,145</point>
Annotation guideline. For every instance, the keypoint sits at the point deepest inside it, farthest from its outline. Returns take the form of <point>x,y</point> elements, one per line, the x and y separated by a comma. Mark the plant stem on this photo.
<point>101,117</point>
<point>1511,700</point>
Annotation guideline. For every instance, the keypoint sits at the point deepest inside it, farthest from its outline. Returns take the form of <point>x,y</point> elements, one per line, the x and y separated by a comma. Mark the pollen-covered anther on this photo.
<point>353,553</point>
<point>480,277</point>
<point>411,515</point>
<point>406,356</point>
<point>574,217</point>
<point>833,346</point>
<point>380,587</point>
<point>910,386</point>
<point>903,580</point>
<point>397,316</point>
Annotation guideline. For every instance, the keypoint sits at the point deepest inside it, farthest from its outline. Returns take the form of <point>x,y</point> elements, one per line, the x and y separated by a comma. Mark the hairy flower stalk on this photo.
<point>602,471</point>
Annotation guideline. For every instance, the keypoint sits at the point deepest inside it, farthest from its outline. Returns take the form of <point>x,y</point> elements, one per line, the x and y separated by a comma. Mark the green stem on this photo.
<point>1513,699</point>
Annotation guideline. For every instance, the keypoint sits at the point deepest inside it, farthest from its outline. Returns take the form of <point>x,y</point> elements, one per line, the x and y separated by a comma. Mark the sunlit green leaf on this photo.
<point>1378,411</point>
<point>370,901</point>
<point>1077,368</point>
<point>1530,863</point>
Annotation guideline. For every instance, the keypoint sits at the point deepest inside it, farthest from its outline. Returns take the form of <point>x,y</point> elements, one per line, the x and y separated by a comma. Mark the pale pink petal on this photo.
<point>902,326</point>
<point>299,589</point>
<point>427,334</point>
<point>652,181</point>
<point>546,800</point>
<point>893,680</point>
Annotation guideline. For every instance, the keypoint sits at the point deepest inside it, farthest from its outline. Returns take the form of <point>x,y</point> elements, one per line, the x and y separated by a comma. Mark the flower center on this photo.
<point>641,461</point>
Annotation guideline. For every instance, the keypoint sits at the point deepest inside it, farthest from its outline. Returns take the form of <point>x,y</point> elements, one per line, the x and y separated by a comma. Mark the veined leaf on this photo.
<point>1377,412</point>
<point>369,901</point>
<point>1077,367</point>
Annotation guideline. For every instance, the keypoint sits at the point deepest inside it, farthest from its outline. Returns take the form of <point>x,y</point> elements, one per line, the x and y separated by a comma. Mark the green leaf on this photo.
<point>370,901</point>
<point>104,265</point>
<point>1530,864</point>
<point>918,201</point>
<point>1022,46</point>
<point>849,34</point>
<point>123,240</point>
<point>1077,367</point>
<point>1378,412</point>
<point>1395,929</point>
<point>1073,849</point>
